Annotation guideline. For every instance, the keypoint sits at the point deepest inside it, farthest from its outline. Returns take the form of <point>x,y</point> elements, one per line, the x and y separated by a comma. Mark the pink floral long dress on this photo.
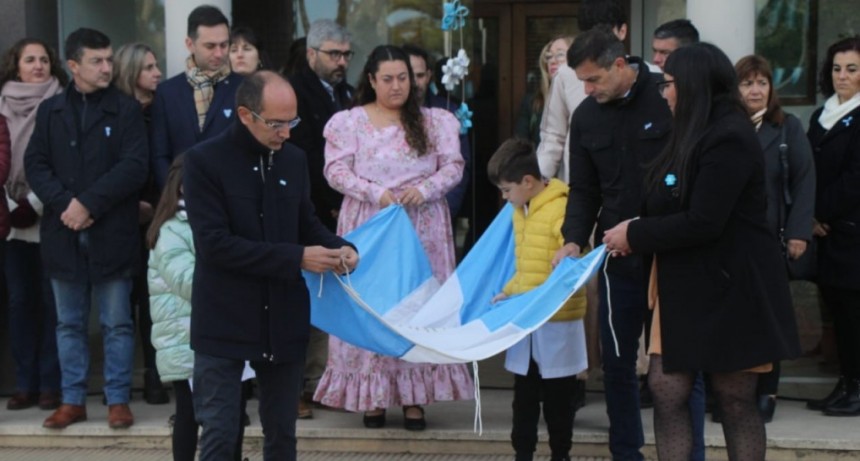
<point>362,162</point>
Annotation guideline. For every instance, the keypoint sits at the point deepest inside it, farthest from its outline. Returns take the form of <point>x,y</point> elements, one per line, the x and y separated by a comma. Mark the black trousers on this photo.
<point>185,425</point>
<point>844,303</point>
<point>557,396</point>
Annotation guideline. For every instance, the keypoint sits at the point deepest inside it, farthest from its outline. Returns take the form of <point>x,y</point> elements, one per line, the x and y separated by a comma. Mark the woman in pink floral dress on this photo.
<point>384,151</point>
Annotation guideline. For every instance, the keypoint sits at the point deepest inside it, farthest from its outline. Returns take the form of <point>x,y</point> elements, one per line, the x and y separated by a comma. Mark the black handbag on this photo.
<point>806,266</point>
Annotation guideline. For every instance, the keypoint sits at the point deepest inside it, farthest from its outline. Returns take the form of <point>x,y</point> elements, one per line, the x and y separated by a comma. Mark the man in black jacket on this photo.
<point>322,90</point>
<point>254,229</point>
<point>86,161</point>
<point>614,133</point>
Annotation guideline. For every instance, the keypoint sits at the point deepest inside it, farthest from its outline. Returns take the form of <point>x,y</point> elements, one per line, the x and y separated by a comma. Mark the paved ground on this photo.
<point>30,454</point>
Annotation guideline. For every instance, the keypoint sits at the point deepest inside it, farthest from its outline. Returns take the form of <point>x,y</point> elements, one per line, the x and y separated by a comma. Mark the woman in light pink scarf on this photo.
<point>30,73</point>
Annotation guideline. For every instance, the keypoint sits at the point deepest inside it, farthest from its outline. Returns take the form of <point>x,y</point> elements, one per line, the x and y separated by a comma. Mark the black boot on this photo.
<point>153,391</point>
<point>838,392</point>
<point>578,400</point>
<point>766,407</point>
<point>849,405</point>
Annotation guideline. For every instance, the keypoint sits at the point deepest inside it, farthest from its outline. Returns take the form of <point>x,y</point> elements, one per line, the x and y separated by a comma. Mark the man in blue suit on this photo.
<point>199,103</point>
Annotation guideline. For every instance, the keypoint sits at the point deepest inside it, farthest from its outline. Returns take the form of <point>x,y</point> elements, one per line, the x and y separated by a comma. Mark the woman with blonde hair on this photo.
<point>552,57</point>
<point>136,73</point>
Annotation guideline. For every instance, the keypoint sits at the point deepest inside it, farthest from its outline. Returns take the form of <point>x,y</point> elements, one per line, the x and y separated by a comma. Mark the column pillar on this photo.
<point>729,24</point>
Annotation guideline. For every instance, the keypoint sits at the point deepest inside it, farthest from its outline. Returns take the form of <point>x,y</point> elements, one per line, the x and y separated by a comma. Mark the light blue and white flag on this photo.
<point>391,304</point>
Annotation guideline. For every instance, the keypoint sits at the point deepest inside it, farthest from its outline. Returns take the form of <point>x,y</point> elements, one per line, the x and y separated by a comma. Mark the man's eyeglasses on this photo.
<point>335,55</point>
<point>661,86</point>
<point>277,126</point>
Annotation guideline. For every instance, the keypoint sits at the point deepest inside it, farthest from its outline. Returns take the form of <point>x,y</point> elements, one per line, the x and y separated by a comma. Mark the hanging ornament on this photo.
<point>455,70</point>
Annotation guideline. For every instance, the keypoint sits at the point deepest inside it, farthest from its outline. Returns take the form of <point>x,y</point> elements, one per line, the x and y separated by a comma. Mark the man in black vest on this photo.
<point>321,90</point>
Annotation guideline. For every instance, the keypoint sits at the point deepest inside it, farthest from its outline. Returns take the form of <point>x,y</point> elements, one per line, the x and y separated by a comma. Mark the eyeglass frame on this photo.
<point>277,126</point>
<point>662,86</point>
<point>335,55</point>
<point>547,58</point>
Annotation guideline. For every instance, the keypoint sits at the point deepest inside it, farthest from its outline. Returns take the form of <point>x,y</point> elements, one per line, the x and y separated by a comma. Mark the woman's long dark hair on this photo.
<point>168,204</point>
<point>410,114</point>
<point>9,66</point>
<point>246,34</point>
<point>703,77</point>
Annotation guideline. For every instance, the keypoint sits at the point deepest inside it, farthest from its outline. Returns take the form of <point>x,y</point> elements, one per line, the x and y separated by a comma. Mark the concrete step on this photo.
<point>795,434</point>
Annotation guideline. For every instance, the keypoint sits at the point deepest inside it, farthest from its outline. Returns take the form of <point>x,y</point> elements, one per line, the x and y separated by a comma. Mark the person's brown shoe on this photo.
<point>50,400</point>
<point>119,416</point>
<point>22,400</point>
<point>66,415</point>
<point>305,410</point>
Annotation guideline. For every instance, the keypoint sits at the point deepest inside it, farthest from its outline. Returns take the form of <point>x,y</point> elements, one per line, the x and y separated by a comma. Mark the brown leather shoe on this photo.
<point>305,410</point>
<point>66,415</point>
<point>119,416</point>
<point>22,400</point>
<point>49,400</point>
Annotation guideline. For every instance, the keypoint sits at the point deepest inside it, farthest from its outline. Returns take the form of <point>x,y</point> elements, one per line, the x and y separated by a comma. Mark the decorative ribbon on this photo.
<point>454,15</point>
<point>455,70</point>
<point>464,115</point>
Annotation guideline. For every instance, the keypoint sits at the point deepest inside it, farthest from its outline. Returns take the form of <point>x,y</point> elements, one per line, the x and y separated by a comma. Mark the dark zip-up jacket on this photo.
<point>94,148</point>
<point>610,146</point>
<point>251,217</point>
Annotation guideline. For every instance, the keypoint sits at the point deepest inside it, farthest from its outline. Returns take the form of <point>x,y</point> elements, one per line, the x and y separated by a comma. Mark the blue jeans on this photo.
<point>218,391</point>
<point>73,311</point>
<point>622,318</point>
<point>32,320</point>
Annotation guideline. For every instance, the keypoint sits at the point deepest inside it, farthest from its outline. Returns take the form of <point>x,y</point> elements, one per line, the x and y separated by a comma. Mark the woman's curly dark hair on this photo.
<point>9,66</point>
<point>410,114</point>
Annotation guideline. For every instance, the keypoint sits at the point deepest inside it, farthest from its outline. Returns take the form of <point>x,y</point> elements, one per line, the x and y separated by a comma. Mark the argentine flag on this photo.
<point>391,304</point>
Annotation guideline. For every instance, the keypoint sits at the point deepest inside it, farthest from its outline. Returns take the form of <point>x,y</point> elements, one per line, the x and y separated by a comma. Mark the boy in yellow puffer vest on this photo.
<point>546,362</point>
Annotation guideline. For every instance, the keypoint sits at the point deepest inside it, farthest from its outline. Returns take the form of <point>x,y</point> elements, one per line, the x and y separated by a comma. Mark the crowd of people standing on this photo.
<point>187,208</point>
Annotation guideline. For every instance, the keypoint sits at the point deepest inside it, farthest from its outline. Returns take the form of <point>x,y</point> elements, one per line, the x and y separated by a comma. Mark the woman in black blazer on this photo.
<point>834,132</point>
<point>718,284</point>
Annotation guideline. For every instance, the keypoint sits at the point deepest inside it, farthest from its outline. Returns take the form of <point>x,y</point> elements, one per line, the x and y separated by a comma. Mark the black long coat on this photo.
<point>104,165</point>
<point>251,223</point>
<point>315,107</point>
<point>837,200</point>
<point>724,298</point>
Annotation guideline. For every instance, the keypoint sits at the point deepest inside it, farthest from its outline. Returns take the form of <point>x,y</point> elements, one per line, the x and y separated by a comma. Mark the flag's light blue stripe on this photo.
<point>394,269</point>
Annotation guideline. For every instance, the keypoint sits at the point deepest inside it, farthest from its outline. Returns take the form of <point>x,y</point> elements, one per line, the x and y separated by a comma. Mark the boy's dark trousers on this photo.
<point>558,412</point>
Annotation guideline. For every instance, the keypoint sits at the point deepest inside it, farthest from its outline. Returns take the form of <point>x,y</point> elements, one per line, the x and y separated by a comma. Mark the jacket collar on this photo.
<point>245,141</point>
<point>553,190</point>
<point>643,79</point>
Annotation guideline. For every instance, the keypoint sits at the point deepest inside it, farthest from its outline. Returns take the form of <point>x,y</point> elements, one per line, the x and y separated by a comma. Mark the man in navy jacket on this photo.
<point>248,200</point>
<point>86,161</point>
<point>197,104</point>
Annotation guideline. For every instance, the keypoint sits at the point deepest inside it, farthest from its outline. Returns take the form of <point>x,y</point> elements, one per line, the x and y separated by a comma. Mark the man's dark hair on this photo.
<point>681,30</point>
<point>250,91</point>
<point>598,45</point>
<point>512,161</point>
<point>85,38</point>
<point>205,15</point>
<point>413,50</point>
<point>593,13</point>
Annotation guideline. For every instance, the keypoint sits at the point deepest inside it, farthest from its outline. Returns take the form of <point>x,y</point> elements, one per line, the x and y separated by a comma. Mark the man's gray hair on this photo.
<point>323,30</point>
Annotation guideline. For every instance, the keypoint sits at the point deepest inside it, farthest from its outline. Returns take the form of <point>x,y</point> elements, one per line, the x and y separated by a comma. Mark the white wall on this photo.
<point>176,29</point>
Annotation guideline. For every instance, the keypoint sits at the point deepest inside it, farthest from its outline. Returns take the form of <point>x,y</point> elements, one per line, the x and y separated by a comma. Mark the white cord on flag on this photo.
<point>609,303</point>
<point>479,423</point>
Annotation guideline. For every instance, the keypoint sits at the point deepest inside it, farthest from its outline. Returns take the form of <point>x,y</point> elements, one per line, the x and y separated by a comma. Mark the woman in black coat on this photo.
<point>789,180</point>
<point>834,132</point>
<point>723,305</point>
